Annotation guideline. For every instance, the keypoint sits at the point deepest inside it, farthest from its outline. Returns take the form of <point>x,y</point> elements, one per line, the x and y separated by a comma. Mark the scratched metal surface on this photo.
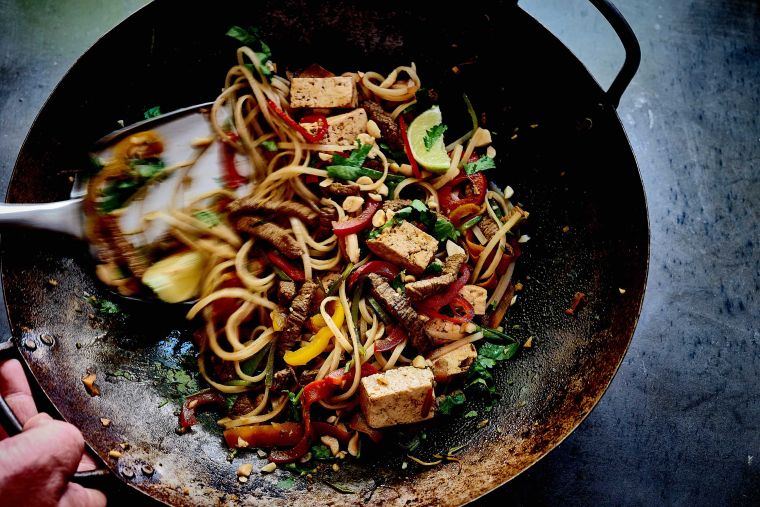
<point>679,423</point>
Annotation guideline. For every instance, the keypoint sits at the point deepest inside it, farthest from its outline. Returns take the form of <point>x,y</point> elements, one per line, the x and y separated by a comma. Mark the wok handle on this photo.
<point>62,216</point>
<point>12,426</point>
<point>630,45</point>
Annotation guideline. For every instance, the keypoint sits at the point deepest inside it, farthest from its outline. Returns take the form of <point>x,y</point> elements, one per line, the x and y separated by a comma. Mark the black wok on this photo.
<point>560,146</point>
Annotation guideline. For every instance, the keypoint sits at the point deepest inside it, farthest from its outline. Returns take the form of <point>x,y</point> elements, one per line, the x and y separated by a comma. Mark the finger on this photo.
<point>87,463</point>
<point>15,389</point>
<point>42,458</point>
<point>38,420</point>
<point>78,496</point>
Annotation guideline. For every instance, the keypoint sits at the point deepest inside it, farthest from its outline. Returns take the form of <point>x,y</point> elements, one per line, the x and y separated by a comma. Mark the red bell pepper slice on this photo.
<point>312,393</point>
<point>437,301</point>
<point>461,308</point>
<point>315,118</point>
<point>408,148</point>
<point>382,268</point>
<point>231,177</point>
<point>363,221</point>
<point>264,435</point>
<point>358,423</point>
<point>396,335</point>
<point>193,403</point>
<point>449,195</point>
<point>295,274</point>
<point>427,403</point>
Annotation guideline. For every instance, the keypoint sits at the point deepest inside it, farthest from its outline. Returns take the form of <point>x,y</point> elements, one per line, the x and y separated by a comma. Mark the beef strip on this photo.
<point>243,404</point>
<point>286,291</point>
<point>299,312</point>
<point>388,127</point>
<point>283,379</point>
<point>397,204</point>
<point>271,233</point>
<point>307,377</point>
<point>421,289</point>
<point>122,247</point>
<point>398,306</point>
<point>248,205</point>
<point>222,371</point>
<point>341,189</point>
<point>325,227</point>
<point>488,227</point>
<point>315,70</point>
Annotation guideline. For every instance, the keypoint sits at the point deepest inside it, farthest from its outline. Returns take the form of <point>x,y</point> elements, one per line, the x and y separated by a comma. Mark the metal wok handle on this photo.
<point>12,426</point>
<point>630,45</point>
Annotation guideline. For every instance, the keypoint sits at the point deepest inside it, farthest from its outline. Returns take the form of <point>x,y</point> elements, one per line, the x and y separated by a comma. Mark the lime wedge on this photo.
<point>435,159</point>
<point>175,278</point>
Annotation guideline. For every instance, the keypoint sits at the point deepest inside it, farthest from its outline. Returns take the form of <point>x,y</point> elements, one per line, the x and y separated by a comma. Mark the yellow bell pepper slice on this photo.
<point>278,319</point>
<point>318,343</point>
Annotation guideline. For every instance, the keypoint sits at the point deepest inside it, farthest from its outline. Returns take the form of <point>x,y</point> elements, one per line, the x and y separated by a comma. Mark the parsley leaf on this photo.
<point>152,112</point>
<point>433,134</point>
<point>118,191</point>
<point>483,163</point>
<point>450,403</point>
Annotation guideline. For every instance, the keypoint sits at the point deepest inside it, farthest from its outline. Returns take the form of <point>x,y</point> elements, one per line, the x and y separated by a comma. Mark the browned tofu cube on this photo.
<point>323,92</point>
<point>398,396</point>
<point>342,129</point>
<point>455,363</point>
<point>405,245</point>
<point>476,296</point>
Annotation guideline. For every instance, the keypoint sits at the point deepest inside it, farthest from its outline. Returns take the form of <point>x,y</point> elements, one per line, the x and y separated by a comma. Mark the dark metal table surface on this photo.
<point>680,424</point>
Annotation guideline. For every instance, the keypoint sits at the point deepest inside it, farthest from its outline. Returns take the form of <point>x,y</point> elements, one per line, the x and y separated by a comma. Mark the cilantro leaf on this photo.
<point>250,37</point>
<point>208,217</point>
<point>321,452</point>
<point>433,134</point>
<point>356,158</point>
<point>450,402</point>
<point>443,230</point>
<point>483,163</point>
<point>152,112</point>
<point>269,145</point>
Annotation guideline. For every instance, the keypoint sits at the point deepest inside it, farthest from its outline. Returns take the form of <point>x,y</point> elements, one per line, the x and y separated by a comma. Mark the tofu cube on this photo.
<point>323,92</point>
<point>476,296</point>
<point>397,396</point>
<point>405,245</point>
<point>342,129</point>
<point>455,363</point>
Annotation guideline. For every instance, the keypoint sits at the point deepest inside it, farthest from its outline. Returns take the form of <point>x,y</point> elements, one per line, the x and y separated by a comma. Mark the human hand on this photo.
<point>37,464</point>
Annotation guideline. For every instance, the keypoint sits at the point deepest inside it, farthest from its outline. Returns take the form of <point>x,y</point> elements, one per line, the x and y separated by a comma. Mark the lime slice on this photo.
<point>435,159</point>
<point>175,278</point>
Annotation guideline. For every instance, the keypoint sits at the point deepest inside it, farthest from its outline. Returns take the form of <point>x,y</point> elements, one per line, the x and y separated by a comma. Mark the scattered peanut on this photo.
<point>245,470</point>
<point>523,239</point>
<point>528,343</point>
<point>519,286</point>
<point>115,454</point>
<point>432,204</point>
<point>375,197</point>
<point>325,157</point>
<point>332,443</point>
<point>105,422</point>
<point>269,468</point>
<point>326,182</point>
<point>353,203</point>
<point>373,129</point>
<point>469,327</point>
<point>419,362</point>
<point>622,291</point>
<point>89,384</point>
<point>261,454</point>
<point>201,142</point>
<point>509,192</point>
<point>241,443</point>
<point>389,214</point>
<point>354,444</point>
<point>409,278</point>
<point>481,137</point>
<point>365,138</point>
<point>364,180</point>
<point>383,190</point>
<point>378,218</point>
<point>335,467</point>
<point>405,169</point>
<point>243,479</point>
<point>491,152</point>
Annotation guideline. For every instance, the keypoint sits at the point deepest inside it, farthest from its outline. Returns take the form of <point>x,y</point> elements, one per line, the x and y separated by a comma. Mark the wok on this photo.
<point>560,145</point>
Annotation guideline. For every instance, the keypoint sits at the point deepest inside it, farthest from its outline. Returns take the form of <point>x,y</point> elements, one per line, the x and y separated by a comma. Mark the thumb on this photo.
<point>41,459</point>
